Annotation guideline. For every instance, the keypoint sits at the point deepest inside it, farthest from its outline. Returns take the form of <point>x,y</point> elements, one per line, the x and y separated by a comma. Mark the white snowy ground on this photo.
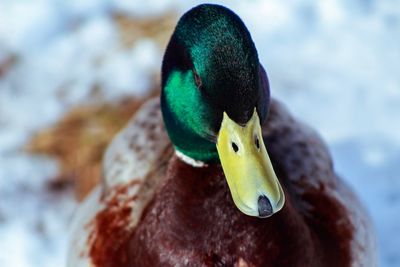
<point>336,65</point>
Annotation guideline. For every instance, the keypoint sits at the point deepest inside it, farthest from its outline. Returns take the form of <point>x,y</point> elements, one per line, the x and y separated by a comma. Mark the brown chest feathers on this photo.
<point>191,219</point>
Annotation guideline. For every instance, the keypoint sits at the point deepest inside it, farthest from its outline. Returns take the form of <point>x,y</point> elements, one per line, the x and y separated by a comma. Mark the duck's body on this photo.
<point>175,214</point>
<point>202,199</point>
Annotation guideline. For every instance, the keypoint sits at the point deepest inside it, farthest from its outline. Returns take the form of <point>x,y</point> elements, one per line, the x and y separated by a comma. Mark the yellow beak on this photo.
<point>254,187</point>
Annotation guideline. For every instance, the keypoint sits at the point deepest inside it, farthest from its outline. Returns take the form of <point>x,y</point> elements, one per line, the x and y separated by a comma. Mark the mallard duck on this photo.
<point>216,173</point>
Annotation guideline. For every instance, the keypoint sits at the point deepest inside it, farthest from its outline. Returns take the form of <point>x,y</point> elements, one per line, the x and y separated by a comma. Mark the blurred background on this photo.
<point>73,72</point>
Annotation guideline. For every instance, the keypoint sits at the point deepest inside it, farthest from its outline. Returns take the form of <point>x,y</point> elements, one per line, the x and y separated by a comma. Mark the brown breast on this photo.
<point>192,221</point>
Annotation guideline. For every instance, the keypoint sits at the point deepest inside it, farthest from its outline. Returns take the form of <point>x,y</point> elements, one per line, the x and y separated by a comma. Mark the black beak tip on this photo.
<point>264,207</point>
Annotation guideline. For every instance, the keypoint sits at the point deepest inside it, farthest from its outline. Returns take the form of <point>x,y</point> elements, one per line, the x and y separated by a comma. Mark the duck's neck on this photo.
<point>190,161</point>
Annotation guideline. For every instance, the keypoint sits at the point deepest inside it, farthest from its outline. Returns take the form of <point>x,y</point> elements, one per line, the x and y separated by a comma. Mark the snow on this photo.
<point>32,231</point>
<point>335,63</point>
<point>130,69</point>
<point>145,8</point>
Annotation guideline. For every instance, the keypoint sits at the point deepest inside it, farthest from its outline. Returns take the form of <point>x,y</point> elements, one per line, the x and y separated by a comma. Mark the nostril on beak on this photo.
<point>264,207</point>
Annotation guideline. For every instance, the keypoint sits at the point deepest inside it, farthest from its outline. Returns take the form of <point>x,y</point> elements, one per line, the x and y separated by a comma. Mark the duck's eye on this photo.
<point>197,79</point>
<point>235,147</point>
<point>257,142</point>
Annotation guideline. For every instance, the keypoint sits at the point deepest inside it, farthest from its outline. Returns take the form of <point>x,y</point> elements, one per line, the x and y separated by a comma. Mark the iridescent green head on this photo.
<point>210,66</point>
<point>211,76</point>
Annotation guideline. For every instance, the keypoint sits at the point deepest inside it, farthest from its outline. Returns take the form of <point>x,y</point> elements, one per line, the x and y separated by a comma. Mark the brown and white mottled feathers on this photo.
<point>153,209</point>
<point>133,165</point>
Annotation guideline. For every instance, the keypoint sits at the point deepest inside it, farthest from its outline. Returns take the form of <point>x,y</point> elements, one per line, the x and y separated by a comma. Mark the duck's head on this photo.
<point>215,96</point>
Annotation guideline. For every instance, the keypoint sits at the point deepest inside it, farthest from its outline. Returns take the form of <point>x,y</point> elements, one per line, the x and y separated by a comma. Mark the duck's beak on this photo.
<point>254,186</point>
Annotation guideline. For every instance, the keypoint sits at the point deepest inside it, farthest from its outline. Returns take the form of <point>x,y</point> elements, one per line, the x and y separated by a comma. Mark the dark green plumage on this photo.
<point>210,66</point>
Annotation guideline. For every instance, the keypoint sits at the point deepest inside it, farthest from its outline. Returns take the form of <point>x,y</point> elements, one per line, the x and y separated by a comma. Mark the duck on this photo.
<point>216,172</point>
